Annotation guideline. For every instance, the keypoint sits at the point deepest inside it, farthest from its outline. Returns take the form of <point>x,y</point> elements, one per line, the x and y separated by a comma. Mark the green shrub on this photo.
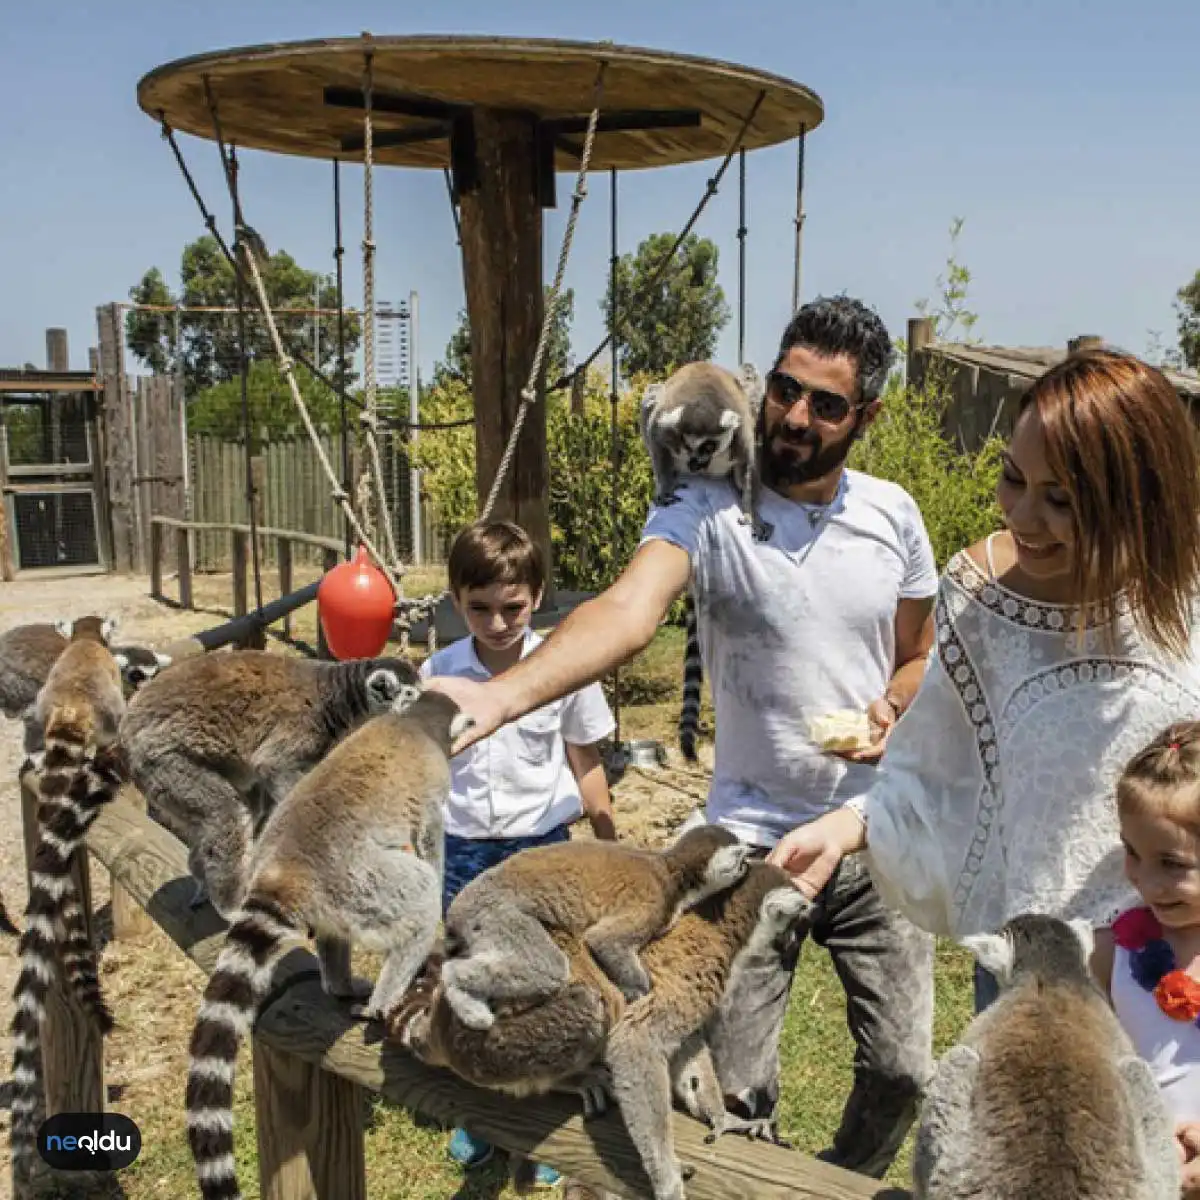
<point>956,492</point>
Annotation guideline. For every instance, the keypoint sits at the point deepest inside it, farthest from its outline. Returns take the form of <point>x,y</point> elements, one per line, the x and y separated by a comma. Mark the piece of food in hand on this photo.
<point>841,730</point>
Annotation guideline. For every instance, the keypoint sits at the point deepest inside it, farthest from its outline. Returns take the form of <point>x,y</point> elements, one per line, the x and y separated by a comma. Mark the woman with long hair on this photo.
<point>1065,643</point>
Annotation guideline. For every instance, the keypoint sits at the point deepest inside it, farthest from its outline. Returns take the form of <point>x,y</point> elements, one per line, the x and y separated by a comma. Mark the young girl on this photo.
<point>1149,962</point>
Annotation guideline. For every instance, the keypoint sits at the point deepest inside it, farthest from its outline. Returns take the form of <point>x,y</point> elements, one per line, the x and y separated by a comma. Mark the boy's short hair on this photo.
<point>495,552</point>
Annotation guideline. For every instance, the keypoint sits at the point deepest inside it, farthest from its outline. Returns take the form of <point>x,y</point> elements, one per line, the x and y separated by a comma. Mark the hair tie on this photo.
<point>1175,745</point>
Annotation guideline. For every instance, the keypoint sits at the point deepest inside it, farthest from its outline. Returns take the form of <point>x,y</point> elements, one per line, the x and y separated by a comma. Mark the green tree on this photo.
<point>457,362</point>
<point>1187,311</point>
<point>667,315</point>
<point>209,341</point>
<point>217,410</point>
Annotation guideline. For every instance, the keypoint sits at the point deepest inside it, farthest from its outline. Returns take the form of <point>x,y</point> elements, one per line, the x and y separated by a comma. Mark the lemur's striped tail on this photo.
<point>54,920</point>
<point>693,678</point>
<point>256,940</point>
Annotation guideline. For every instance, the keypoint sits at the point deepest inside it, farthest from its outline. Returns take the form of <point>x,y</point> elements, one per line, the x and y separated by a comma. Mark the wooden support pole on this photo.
<point>183,561</point>
<point>8,570</point>
<point>72,1048</point>
<point>501,224</point>
<point>310,1130</point>
<point>285,578</point>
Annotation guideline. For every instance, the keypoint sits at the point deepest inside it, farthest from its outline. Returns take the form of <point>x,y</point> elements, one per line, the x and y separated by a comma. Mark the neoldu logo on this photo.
<point>89,1141</point>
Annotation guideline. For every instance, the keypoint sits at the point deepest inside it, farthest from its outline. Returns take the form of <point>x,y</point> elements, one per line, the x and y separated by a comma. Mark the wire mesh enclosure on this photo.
<point>53,430</point>
<point>56,527</point>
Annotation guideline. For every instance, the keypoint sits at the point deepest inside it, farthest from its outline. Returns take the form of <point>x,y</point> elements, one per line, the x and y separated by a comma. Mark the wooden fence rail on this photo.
<point>312,1066</point>
<point>253,632</point>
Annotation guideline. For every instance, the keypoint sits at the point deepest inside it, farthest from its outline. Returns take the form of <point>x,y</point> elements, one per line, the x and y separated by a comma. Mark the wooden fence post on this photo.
<point>285,578</point>
<point>329,560</point>
<point>183,559</point>
<point>239,545</point>
<point>72,1047</point>
<point>156,552</point>
<point>920,334</point>
<point>310,1130</point>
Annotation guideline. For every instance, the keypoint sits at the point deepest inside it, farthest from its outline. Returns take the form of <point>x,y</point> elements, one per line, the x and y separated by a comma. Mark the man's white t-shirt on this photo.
<point>793,628</point>
<point>517,782</point>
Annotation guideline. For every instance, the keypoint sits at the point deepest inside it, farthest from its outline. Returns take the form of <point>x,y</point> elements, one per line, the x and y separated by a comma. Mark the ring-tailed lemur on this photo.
<point>648,1048</point>
<point>352,853</point>
<point>614,896</point>
<point>78,711</point>
<point>1045,1094</point>
<point>216,742</point>
<point>702,420</point>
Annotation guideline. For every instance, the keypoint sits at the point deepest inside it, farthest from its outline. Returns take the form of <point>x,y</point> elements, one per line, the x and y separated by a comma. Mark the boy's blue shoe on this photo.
<point>469,1151</point>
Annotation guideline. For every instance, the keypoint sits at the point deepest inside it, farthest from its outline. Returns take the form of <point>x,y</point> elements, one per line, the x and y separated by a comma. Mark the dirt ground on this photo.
<point>153,988</point>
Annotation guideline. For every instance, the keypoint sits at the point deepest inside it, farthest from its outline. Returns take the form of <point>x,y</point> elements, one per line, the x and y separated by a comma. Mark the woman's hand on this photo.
<point>810,853</point>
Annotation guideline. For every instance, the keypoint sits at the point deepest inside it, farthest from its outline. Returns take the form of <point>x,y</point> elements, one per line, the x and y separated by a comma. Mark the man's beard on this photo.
<point>780,467</point>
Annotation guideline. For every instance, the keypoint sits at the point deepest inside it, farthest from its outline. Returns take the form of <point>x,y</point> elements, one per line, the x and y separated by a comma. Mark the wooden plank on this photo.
<point>130,921</point>
<point>119,436</point>
<point>273,97</point>
<point>152,864</point>
<point>502,253</point>
<point>267,531</point>
<point>309,1125</point>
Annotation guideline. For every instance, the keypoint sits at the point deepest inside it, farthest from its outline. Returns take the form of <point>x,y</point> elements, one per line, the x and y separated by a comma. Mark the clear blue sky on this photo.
<point>1059,129</point>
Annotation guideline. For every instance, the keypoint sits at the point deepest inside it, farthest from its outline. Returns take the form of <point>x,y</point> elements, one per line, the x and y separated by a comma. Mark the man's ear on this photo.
<point>867,416</point>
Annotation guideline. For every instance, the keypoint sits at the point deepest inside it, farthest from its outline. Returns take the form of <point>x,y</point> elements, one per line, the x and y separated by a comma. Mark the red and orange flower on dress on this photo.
<point>1152,964</point>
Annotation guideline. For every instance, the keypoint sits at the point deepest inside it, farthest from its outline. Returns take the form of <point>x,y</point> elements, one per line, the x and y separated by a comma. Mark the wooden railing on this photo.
<point>251,630</point>
<point>312,1065</point>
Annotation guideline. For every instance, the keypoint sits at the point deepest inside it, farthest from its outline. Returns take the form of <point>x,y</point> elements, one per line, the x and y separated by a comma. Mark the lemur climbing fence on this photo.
<point>313,1064</point>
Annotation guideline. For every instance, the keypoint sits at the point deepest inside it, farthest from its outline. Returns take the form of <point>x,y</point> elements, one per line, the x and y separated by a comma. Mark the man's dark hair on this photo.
<point>832,325</point>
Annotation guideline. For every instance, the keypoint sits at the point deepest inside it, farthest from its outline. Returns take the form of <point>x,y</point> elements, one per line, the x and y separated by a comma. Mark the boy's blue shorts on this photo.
<point>468,857</point>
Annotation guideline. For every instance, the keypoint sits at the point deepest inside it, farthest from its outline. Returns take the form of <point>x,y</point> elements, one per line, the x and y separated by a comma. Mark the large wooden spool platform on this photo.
<point>503,115</point>
<point>305,98</point>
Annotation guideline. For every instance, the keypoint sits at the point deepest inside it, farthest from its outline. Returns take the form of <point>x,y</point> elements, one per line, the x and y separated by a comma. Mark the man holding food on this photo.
<point>815,641</point>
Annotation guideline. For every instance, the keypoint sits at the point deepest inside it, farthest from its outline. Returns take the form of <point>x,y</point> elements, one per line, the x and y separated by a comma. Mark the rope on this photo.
<point>709,192</point>
<point>370,415</point>
<point>250,260</point>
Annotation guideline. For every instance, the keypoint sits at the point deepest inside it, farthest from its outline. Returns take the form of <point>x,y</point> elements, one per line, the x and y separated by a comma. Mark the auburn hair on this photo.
<point>1123,446</point>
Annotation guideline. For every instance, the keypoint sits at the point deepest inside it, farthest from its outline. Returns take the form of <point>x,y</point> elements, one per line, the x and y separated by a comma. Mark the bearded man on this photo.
<point>833,611</point>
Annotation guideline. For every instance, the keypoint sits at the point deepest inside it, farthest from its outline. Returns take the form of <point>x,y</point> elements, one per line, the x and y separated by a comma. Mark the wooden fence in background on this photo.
<point>294,494</point>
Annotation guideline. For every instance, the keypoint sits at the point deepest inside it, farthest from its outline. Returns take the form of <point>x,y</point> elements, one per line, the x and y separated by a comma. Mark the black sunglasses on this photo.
<point>784,390</point>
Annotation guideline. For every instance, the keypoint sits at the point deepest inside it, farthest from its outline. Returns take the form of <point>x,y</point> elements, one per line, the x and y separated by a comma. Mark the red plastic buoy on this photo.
<point>356,606</point>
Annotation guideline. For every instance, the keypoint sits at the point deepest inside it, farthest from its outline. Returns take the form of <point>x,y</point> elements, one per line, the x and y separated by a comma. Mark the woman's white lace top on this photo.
<point>996,795</point>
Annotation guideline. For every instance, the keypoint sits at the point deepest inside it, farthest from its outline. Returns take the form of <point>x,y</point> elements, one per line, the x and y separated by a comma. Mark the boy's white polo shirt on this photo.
<point>517,782</point>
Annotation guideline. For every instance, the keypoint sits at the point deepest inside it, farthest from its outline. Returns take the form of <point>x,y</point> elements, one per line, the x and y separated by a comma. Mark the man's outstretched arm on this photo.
<point>599,635</point>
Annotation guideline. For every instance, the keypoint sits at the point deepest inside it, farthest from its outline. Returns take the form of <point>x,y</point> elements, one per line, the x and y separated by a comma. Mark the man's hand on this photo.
<point>478,700</point>
<point>882,716</point>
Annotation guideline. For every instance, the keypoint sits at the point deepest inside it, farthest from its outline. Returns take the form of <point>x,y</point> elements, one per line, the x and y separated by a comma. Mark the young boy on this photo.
<point>511,790</point>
